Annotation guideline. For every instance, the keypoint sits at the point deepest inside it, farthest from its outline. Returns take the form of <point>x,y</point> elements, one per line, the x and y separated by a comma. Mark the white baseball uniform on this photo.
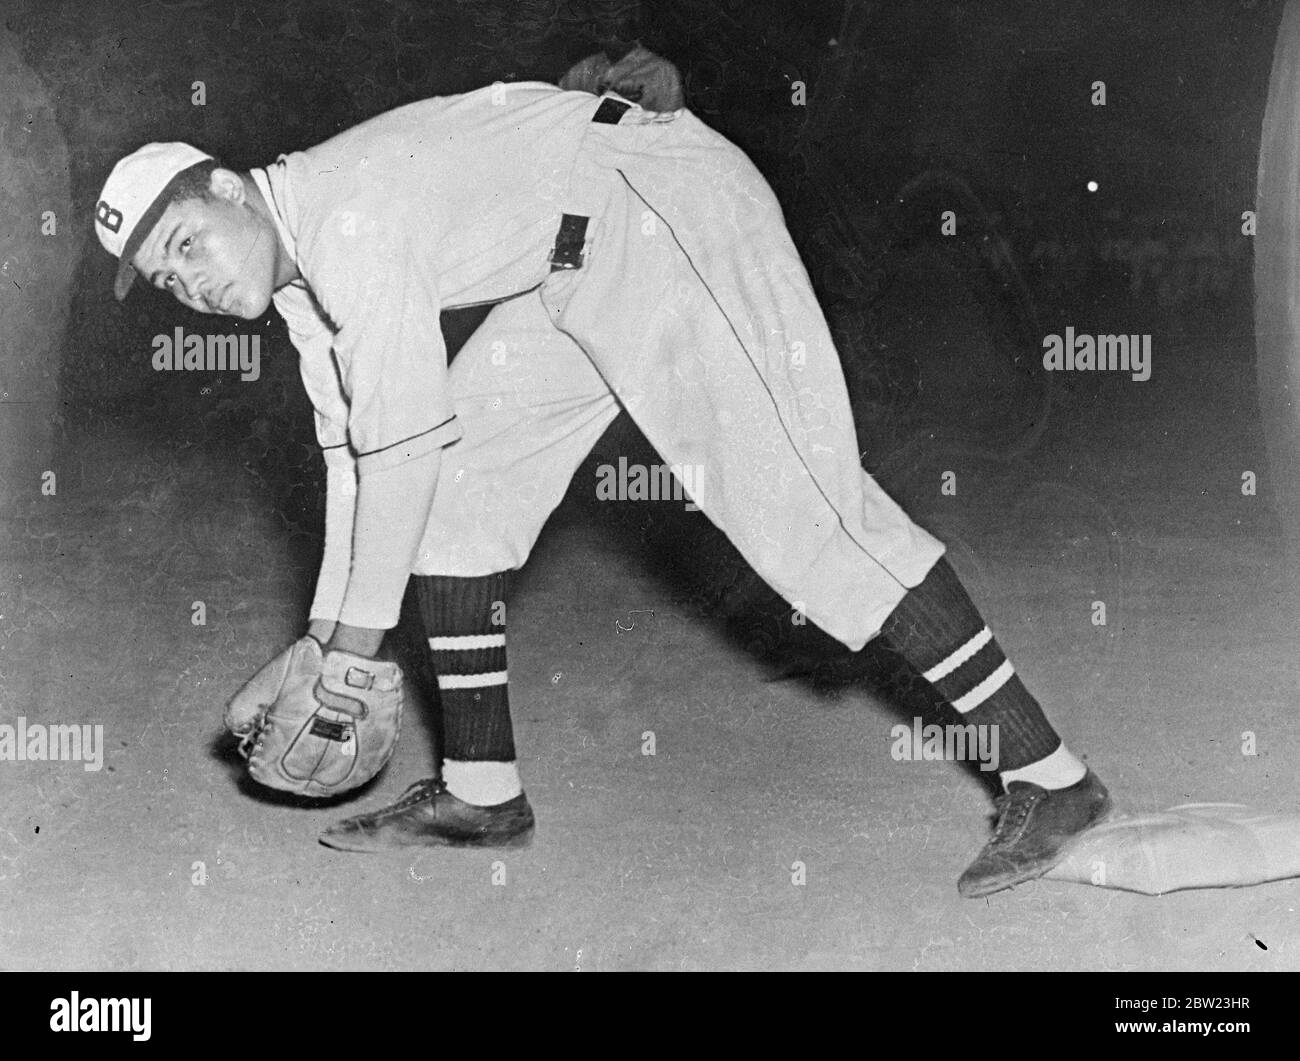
<point>689,307</point>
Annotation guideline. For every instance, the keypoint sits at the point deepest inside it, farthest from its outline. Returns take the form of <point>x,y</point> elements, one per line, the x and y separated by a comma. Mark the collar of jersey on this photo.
<point>270,181</point>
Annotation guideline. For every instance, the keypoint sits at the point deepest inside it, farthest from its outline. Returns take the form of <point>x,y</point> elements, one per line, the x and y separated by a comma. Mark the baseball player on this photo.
<point>639,261</point>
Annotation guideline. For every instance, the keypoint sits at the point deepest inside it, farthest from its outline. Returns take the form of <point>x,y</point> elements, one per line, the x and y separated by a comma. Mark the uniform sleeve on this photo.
<point>372,528</point>
<point>314,340</point>
<point>392,510</point>
<point>340,520</point>
<point>389,349</point>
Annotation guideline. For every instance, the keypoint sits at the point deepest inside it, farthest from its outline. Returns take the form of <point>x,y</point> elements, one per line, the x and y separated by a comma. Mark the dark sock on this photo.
<point>938,630</point>
<point>464,620</point>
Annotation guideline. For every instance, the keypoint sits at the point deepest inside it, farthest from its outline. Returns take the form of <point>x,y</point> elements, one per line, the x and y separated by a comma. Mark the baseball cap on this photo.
<point>134,197</point>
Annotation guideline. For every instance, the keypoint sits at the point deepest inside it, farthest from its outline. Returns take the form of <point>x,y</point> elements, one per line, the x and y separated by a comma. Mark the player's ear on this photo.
<point>227,184</point>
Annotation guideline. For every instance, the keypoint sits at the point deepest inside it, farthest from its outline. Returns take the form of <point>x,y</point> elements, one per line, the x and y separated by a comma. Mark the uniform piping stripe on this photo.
<point>471,681</point>
<point>467,642</point>
<point>985,689</point>
<point>943,669</point>
<point>412,438</point>
<point>771,394</point>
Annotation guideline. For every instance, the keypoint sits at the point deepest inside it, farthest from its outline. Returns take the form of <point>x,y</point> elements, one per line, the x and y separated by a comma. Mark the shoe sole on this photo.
<point>368,845</point>
<point>999,884</point>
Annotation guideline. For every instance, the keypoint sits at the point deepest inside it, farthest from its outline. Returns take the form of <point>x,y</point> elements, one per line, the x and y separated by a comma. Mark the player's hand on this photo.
<point>248,707</point>
<point>318,723</point>
<point>642,77</point>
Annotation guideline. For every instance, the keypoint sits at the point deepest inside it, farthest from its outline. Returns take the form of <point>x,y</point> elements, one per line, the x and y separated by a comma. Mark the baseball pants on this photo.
<point>693,311</point>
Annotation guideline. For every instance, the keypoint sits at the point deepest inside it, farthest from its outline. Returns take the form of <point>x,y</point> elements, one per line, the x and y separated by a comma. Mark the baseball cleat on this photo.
<point>1034,831</point>
<point>427,815</point>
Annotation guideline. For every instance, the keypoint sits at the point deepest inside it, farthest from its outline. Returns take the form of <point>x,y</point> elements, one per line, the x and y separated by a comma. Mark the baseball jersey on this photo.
<point>441,203</point>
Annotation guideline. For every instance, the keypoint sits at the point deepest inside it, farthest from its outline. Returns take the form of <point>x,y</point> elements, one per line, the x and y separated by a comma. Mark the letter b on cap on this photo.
<point>108,217</point>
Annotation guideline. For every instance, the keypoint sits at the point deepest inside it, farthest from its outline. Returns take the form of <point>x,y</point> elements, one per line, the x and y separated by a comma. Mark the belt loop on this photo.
<point>611,111</point>
<point>569,240</point>
<point>572,233</point>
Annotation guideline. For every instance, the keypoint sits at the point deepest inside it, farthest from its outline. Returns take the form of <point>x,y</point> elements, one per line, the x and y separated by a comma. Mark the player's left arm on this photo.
<point>392,510</point>
<point>392,365</point>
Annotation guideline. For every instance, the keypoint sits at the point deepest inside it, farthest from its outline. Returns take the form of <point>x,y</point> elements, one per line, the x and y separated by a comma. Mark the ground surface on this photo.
<point>682,860</point>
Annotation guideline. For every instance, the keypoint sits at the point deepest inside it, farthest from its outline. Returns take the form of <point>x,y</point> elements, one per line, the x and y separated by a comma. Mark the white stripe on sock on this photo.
<point>942,670</point>
<point>471,681</point>
<point>482,784</point>
<point>985,689</point>
<point>467,642</point>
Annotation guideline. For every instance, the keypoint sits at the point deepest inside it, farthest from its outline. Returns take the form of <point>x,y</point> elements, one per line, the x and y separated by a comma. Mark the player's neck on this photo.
<point>286,269</point>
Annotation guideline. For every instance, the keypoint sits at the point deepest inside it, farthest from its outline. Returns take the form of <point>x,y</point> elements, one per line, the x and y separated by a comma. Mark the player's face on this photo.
<point>216,255</point>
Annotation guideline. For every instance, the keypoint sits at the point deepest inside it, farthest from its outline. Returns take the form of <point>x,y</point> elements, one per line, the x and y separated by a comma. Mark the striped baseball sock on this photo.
<point>464,620</point>
<point>937,629</point>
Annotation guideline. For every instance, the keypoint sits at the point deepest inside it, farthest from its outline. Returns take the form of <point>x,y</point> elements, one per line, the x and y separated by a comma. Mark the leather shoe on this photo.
<point>427,815</point>
<point>1034,831</point>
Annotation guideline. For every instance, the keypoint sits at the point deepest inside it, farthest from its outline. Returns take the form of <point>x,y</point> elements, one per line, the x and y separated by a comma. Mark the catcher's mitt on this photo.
<point>317,725</point>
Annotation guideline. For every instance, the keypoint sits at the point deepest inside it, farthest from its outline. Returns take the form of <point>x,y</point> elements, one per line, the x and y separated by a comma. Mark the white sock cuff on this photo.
<point>484,784</point>
<point>1059,770</point>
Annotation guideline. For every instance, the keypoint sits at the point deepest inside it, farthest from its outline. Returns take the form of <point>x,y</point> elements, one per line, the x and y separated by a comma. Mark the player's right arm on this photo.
<point>336,562</point>
<point>314,339</point>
